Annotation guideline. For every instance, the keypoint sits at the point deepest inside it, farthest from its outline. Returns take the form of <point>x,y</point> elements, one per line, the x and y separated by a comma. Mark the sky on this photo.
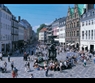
<point>37,14</point>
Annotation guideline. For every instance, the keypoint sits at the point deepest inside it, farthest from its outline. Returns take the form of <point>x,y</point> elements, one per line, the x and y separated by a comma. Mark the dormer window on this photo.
<point>84,16</point>
<point>88,14</point>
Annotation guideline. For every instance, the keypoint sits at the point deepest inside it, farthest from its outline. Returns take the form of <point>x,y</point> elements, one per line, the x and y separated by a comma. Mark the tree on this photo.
<point>41,26</point>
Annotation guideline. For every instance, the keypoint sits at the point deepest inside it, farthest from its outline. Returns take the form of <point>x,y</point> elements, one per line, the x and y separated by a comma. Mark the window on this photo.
<point>86,34</point>
<point>88,14</point>
<point>70,33</point>
<point>86,22</point>
<point>89,34</point>
<point>74,33</point>
<point>77,24</point>
<point>82,23</point>
<point>74,24</point>
<point>82,34</point>
<point>89,22</point>
<point>77,33</point>
<point>84,16</point>
<point>92,21</point>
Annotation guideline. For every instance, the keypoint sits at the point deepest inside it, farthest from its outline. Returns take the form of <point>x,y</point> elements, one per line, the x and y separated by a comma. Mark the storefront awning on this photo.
<point>72,44</point>
<point>68,43</point>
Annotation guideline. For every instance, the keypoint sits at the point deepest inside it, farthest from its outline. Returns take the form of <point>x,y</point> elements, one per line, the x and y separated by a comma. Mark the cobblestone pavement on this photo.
<point>78,71</point>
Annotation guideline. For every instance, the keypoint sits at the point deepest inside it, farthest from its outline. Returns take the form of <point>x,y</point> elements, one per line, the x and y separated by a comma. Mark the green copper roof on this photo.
<point>81,8</point>
<point>72,11</point>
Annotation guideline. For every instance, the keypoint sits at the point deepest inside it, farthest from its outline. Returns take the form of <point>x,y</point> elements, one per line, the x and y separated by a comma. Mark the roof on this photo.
<point>91,16</point>
<point>43,29</point>
<point>25,23</point>
<point>71,11</point>
<point>62,19</point>
<point>81,8</point>
<point>5,8</point>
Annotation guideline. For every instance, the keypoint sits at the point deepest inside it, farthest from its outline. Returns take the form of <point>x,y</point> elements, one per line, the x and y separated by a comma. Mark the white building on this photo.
<point>42,35</point>
<point>87,31</point>
<point>5,29</point>
<point>55,29</point>
<point>62,22</point>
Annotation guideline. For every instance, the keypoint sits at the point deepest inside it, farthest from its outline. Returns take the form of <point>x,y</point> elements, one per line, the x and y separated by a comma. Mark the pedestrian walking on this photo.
<point>25,56</point>
<point>84,62</point>
<point>5,66</point>
<point>47,69</point>
<point>0,55</point>
<point>28,65</point>
<point>32,52</point>
<point>12,65</point>
<point>8,58</point>
<point>15,71</point>
<point>61,66</point>
<point>13,74</point>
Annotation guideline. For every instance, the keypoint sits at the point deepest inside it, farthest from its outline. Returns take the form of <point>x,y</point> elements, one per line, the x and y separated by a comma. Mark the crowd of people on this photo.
<point>41,61</point>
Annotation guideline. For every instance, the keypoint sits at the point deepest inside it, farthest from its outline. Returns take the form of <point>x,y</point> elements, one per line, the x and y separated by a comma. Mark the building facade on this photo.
<point>43,36</point>
<point>21,33</point>
<point>14,33</point>
<point>5,29</point>
<point>29,30</point>
<point>25,36</point>
<point>62,23</point>
<point>55,29</point>
<point>87,31</point>
<point>73,24</point>
<point>49,33</point>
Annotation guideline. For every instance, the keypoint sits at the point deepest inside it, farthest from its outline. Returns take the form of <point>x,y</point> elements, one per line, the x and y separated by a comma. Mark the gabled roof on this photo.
<point>43,29</point>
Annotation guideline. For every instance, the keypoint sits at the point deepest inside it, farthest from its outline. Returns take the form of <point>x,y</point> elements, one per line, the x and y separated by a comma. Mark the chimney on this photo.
<point>19,18</point>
